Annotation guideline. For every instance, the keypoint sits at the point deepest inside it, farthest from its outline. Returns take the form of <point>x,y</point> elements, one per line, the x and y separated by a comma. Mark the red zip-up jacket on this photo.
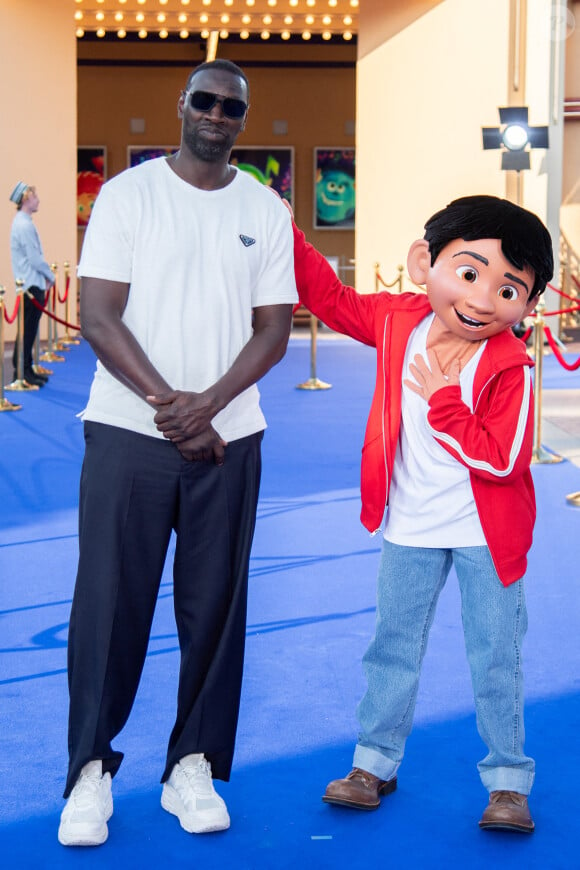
<point>494,442</point>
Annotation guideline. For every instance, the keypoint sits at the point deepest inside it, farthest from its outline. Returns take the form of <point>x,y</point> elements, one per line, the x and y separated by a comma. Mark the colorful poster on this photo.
<point>137,154</point>
<point>334,188</point>
<point>269,165</point>
<point>91,173</point>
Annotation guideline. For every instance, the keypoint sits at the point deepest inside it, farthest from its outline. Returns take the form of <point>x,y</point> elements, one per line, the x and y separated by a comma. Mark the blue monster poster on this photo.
<point>334,188</point>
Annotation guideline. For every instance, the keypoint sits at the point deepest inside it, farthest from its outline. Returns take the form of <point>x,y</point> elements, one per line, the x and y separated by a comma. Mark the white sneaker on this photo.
<point>83,821</point>
<point>189,794</point>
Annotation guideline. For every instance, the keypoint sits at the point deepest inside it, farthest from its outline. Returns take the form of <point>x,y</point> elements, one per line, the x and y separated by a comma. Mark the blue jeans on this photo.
<point>494,624</point>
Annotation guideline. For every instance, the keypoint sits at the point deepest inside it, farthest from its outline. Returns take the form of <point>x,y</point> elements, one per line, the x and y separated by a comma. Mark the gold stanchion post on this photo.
<point>59,344</point>
<point>565,287</point>
<point>49,355</point>
<point>68,338</point>
<point>20,385</point>
<point>313,383</point>
<point>37,366</point>
<point>398,282</point>
<point>539,455</point>
<point>400,278</point>
<point>5,405</point>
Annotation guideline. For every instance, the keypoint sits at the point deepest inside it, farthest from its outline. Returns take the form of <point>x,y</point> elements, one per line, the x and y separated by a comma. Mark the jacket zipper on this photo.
<point>376,531</point>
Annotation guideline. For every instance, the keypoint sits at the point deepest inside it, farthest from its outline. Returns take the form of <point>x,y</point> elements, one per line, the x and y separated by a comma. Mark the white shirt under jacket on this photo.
<point>198,262</point>
<point>431,501</point>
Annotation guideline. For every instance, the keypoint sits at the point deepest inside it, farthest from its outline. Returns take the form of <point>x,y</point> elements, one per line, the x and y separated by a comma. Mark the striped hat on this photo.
<point>18,192</point>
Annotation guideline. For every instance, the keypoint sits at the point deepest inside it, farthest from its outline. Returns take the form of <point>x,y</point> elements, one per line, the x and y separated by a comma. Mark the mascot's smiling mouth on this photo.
<point>327,201</point>
<point>469,321</point>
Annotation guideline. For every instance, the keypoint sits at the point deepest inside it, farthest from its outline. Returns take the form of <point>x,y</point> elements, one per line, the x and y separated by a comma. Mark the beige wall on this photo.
<point>430,75</point>
<point>423,96</point>
<point>385,18</point>
<point>38,110</point>
<point>316,101</point>
<point>544,94</point>
<point>571,173</point>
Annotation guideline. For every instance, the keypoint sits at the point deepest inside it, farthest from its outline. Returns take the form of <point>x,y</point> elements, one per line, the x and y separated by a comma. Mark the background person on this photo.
<point>28,265</point>
<point>187,294</point>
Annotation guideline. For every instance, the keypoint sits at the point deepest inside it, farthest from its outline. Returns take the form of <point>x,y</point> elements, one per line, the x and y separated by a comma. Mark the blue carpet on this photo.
<point>311,613</point>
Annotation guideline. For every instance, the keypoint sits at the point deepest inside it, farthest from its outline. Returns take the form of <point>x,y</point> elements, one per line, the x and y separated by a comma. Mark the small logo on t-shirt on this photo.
<point>247,241</point>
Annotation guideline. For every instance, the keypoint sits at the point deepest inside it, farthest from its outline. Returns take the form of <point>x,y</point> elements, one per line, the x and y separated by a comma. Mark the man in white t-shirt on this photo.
<point>187,294</point>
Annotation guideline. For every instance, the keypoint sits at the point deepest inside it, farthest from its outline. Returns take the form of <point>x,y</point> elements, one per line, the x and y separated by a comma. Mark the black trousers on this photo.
<point>135,490</point>
<point>32,316</point>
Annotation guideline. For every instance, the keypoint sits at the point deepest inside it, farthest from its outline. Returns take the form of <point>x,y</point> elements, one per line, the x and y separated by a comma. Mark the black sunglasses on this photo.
<point>204,101</point>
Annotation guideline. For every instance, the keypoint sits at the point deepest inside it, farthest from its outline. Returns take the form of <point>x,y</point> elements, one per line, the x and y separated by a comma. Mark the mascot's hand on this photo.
<point>282,200</point>
<point>429,377</point>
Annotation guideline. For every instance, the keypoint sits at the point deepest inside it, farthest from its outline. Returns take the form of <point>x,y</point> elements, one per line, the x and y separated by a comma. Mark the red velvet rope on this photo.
<point>7,317</point>
<point>526,334</point>
<point>561,292</point>
<point>557,353</point>
<point>51,315</point>
<point>38,305</point>
<point>66,289</point>
<point>559,311</point>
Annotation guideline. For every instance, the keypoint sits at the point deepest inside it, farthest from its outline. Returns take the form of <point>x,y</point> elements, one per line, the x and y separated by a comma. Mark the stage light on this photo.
<point>514,137</point>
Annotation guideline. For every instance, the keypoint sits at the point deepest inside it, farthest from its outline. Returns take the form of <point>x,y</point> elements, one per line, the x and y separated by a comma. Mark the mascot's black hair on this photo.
<point>525,241</point>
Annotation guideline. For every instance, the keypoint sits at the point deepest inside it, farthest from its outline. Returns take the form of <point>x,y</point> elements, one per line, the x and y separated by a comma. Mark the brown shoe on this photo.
<point>359,789</point>
<point>507,811</point>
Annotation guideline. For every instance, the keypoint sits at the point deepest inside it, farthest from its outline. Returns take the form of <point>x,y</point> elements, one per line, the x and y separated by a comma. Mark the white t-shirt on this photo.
<point>431,502</point>
<point>198,262</point>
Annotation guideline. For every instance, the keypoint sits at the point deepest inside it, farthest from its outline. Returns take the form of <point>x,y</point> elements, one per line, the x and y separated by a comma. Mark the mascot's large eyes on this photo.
<point>334,187</point>
<point>507,292</point>
<point>468,273</point>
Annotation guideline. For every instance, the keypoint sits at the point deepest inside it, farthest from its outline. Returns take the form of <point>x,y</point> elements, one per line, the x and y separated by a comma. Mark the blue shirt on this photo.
<point>28,263</point>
